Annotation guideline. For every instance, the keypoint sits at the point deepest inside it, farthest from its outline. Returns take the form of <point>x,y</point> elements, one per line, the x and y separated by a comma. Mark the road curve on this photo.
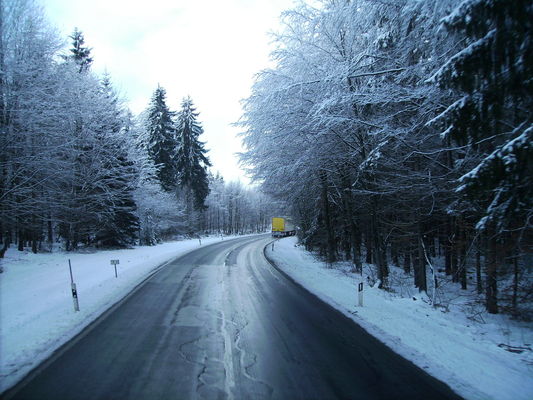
<point>222,323</point>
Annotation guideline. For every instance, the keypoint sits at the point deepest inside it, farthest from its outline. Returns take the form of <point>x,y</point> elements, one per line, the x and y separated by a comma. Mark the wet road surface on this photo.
<point>222,323</point>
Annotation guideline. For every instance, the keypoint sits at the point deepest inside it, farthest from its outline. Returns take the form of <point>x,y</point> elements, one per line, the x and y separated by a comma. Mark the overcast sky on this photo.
<point>208,49</point>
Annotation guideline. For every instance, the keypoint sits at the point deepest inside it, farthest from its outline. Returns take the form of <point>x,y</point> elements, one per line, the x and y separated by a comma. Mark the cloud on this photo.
<point>207,49</point>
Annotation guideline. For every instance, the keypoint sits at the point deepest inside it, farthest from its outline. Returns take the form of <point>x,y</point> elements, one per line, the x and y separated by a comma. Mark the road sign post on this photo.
<point>114,263</point>
<point>360,293</point>
<point>73,288</point>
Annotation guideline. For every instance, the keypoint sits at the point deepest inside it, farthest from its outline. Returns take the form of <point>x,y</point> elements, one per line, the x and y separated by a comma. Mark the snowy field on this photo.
<point>470,356</point>
<point>36,308</point>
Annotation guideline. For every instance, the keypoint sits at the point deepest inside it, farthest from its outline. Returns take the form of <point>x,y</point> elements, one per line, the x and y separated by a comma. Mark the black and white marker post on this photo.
<point>73,287</point>
<point>360,292</point>
<point>114,263</point>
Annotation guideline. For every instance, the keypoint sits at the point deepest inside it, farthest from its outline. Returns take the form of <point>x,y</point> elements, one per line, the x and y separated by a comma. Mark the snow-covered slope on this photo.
<point>446,343</point>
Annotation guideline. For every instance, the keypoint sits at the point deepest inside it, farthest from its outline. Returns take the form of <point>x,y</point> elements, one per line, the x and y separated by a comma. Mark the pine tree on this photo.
<point>162,144</point>
<point>80,54</point>
<point>493,74</point>
<point>191,159</point>
<point>120,225</point>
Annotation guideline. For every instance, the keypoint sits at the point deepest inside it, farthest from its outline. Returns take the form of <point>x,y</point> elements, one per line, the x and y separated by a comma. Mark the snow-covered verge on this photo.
<point>469,355</point>
<point>36,308</point>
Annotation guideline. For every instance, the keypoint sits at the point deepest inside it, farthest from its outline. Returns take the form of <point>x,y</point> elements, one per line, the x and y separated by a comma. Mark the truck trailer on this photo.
<point>282,226</point>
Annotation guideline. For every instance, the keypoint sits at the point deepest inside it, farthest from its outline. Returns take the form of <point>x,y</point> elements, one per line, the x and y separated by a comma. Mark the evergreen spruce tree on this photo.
<point>110,96</point>
<point>493,74</point>
<point>121,224</point>
<point>79,52</point>
<point>191,159</point>
<point>162,144</point>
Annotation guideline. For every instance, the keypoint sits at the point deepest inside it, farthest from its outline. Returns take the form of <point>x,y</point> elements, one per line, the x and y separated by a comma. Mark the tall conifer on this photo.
<point>120,225</point>
<point>494,75</point>
<point>80,53</point>
<point>191,159</point>
<point>162,144</point>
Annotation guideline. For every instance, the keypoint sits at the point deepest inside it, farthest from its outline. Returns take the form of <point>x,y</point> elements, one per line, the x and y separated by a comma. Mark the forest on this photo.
<point>396,133</point>
<point>400,132</point>
<point>77,168</point>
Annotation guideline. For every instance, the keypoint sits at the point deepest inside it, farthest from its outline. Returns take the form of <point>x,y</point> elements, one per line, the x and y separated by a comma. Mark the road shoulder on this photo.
<point>453,349</point>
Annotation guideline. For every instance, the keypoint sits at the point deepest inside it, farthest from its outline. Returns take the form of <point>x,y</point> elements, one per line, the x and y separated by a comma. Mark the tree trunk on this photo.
<point>394,253</point>
<point>34,244</point>
<point>379,250</point>
<point>491,293</point>
<point>4,248</point>
<point>515,285</point>
<point>356,246</point>
<point>50,232</point>
<point>20,241</point>
<point>454,262</point>
<point>415,256</point>
<point>432,247</point>
<point>462,254</point>
<point>479,286</point>
<point>421,265</point>
<point>447,243</point>
<point>330,251</point>
<point>407,261</point>
<point>347,243</point>
<point>353,234</point>
<point>368,245</point>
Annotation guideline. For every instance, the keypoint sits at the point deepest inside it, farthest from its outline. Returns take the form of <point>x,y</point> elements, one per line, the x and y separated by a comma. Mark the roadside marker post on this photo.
<point>114,263</point>
<point>73,288</point>
<point>360,292</point>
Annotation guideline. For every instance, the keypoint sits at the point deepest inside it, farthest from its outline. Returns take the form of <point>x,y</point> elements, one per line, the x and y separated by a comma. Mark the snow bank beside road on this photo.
<point>36,310</point>
<point>448,345</point>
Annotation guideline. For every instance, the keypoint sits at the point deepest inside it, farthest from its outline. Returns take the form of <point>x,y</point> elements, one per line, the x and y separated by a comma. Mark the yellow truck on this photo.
<point>282,226</point>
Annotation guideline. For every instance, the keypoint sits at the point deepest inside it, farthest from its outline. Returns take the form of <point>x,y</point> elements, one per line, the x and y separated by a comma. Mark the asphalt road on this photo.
<point>220,323</point>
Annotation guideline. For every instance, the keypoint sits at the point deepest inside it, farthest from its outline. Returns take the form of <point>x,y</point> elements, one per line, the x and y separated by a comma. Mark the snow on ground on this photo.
<point>36,308</point>
<point>446,343</point>
<point>36,314</point>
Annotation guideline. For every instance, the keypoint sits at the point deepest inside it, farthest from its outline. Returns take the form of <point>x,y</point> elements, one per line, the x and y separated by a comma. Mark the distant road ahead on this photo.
<point>221,322</point>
